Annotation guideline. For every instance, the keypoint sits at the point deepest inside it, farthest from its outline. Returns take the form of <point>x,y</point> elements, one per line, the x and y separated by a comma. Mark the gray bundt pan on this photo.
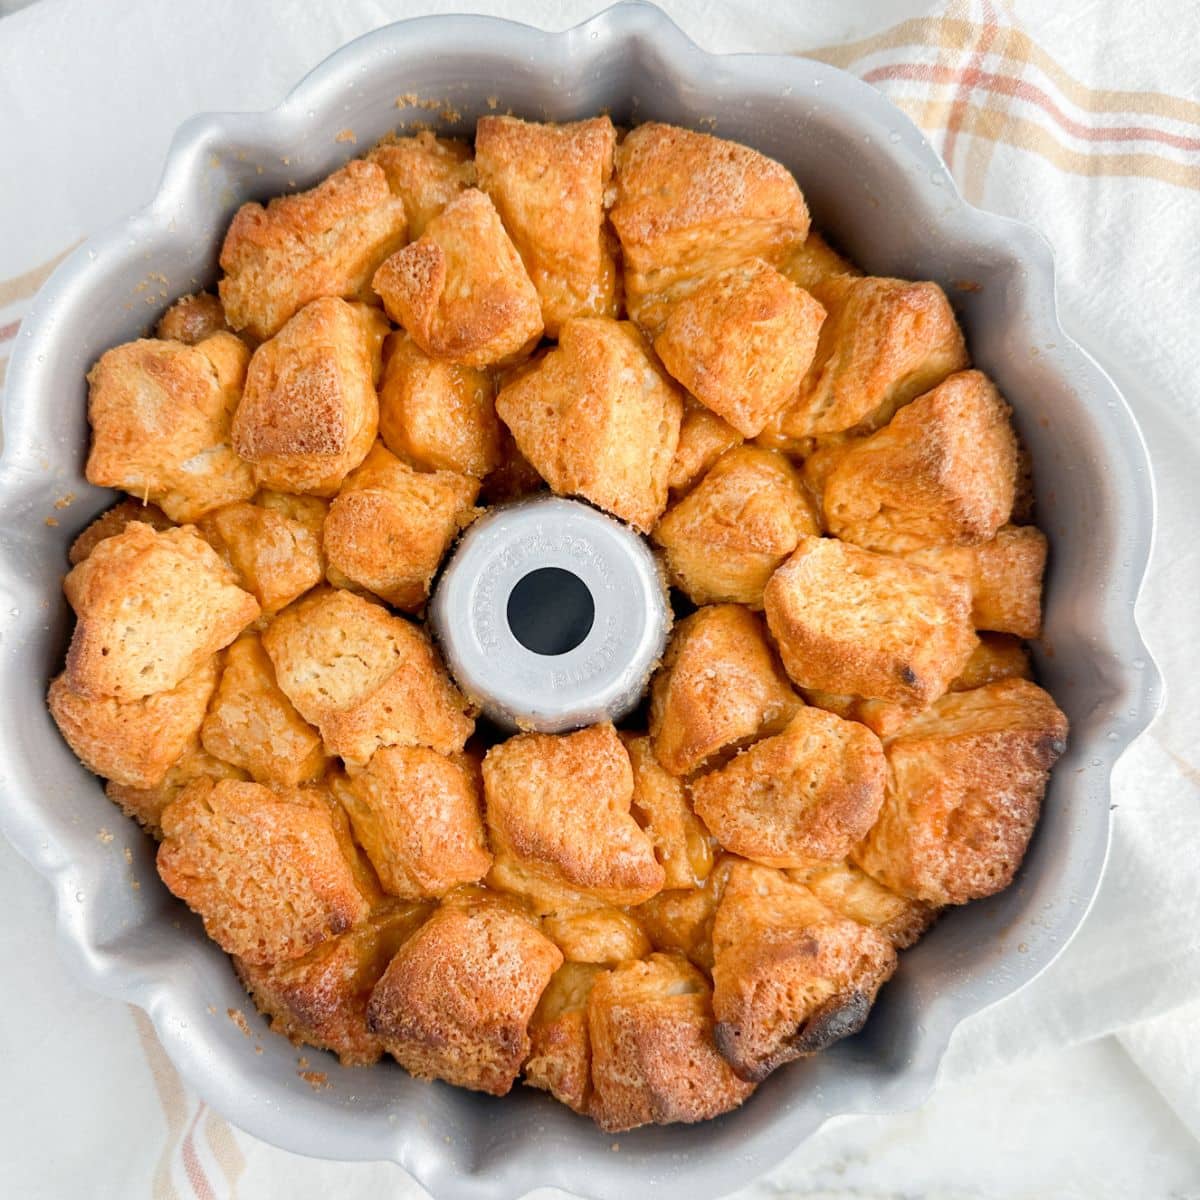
<point>877,187</point>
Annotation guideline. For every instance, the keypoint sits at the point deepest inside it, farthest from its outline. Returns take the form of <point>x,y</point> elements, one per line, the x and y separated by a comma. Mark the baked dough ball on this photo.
<point>426,172</point>
<point>689,205</point>
<point>848,620</point>
<point>560,1054</point>
<point>790,976</point>
<point>321,999</point>
<point>160,414</point>
<point>390,526</point>
<point>703,438</point>
<point>309,413</point>
<point>681,920</point>
<point>852,893</point>
<point>884,342</point>
<point>275,557</point>
<point>994,657</point>
<point>814,261</point>
<point>724,539</point>
<point>364,678</point>
<point>742,342</point>
<point>147,805</point>
<point>455,1002</point>
<point>598,418</point>
<point>191,319</point>
<point>271,872</point>
<point>461,290</point>
<point>418,815</point>
<point>944,470</point>
<point>153,608</point>
<point>1004,576</point>
<point>660,806</point>
<point>719,688</point>
<point>650,1025</point>
<point>253,725</point>
<point>111,522</point>
<point>436,415</point>
<point>606,935</point>
<point>514,478</point>
<point>806,795</point>
<point>965,785</point>
<point>558,815</point>
<point>548,183</point>
<point>323,242</point>
<point>133,742</point>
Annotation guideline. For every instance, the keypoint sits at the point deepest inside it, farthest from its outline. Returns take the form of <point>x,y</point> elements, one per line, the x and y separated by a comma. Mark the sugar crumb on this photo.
<point>317,1080</point>
<point>65,501</point>
<point>493,102</point>
<point>128,854</point>
<point>346,135</point>
<point>104,836</point>
<point>239,1019</point>
<point>212,1010</point>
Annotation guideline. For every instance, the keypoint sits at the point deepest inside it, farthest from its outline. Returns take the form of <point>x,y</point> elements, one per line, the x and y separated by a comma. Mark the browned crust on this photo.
<point>719,688</point>
<point>426,172</point>
<point>456,1001</point>
<point>559,820</point>
<point>460,290</point>
<point>965,785</point>
<point>111,522</point>
<point>943,471</point>
<point>850,621</point>
<point>806,795</point>
<point>724,539</point>
<point>548,183</point>
<point>266,870</point>
<point>653,1056</point>
<point>790,976</point>
<point>191,319</point>
<point>703,438</point>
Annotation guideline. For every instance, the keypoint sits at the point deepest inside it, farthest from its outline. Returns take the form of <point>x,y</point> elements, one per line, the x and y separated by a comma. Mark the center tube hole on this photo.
<point>550,611</point>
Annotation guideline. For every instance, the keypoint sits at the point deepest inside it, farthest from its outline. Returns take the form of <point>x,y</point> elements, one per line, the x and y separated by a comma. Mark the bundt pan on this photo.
<point>875,185</point>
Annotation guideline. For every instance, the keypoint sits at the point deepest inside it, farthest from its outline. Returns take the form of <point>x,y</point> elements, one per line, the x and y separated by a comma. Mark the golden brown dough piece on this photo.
<point>365,678</point>
<point>814,262</point>
<point>806,795</point>
<point>191,319</point>
<point>514,478</point>
<point>653,1059</point>
<point>133,742</point>
<point>719,688</point>
<point>852,893</point>
<point>606,936</point>
<point>660,806</point>
<point>111,522</point>
<point>560,1056</point>
<point>558,815</point>
<point>461,290</point>
<point>390,526</point>
<point>703,438</point>
<point>725,538</point>
<point>688,205</point>
<point>321,999</point>
<point>418,815</point>
<point>309,413</point>
<point>269,871</point>
<point>327,241</point>
<point>1004,575</point>
<point>435,415</point>
<point>147,805</point>
<point>790,977</point>
<point>548,183</point>
<point>742,342</point>
<point>943,471</point>
<point>455,1003</point>
<point>597,417</point>
<point>252,724</point>
<point>153,608</point>
<point>965,785</point>
<point>848,620</point>
<point>681,920</point>
<point>884,342</point>
<point>275,557</point>
<point>160,414</point>
<point>426,172</point>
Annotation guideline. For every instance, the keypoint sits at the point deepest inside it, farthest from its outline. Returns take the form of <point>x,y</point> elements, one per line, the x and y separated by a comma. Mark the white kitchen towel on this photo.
<point>1082,118</point>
